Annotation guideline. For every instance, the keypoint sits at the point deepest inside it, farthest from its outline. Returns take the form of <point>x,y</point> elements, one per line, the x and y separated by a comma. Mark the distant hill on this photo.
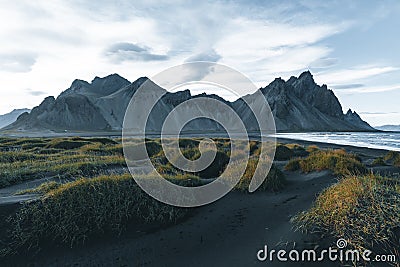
<point>390,128</point>
<point>11,117</point>
<point>298,104</point>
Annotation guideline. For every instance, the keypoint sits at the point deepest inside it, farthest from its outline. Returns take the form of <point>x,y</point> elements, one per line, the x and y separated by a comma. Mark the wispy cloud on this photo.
<point>322,63</point>
<point>35,92</point>
<point>377,113</point>
<point>371,89</point>
<point>346,86</point>
<point>381,118</point>
<point>351,75</point>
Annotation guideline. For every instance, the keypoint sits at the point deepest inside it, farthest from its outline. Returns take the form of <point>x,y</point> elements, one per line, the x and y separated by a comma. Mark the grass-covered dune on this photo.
<point>28,159</point>
<point>338,161</point>
<point>91,203</point>
<point>73,212</point>
<point>99,197</point>
<point>363,209</point>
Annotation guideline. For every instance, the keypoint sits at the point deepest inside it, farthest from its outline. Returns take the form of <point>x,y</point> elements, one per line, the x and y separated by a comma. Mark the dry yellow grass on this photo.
<point>362,209</point>
<point>338,161</point>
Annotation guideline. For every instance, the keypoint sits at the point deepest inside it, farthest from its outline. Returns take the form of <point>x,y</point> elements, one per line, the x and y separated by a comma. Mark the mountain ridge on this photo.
<point>298,104</point>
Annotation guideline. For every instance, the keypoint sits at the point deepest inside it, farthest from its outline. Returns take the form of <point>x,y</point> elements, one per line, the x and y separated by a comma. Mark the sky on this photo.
<point>352,46</point>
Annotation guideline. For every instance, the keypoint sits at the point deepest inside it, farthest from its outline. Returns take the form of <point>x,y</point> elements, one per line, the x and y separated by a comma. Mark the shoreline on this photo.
<point>325,145</point>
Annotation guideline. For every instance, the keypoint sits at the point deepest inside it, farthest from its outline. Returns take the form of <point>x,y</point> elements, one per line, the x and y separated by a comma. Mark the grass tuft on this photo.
<point>362,209</point>
<point>41,189</point>
<point>391,155</point>
<point>282,152</point>
<point>379,161</point>
<point>338,161</point>
<point>274,181</point>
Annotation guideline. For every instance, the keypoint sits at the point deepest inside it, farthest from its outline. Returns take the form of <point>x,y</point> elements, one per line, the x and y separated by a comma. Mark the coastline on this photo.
<point>351,148</point>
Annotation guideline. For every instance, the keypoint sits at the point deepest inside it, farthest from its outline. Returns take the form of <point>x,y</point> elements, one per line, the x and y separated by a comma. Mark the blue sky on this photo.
<point>352,46</point>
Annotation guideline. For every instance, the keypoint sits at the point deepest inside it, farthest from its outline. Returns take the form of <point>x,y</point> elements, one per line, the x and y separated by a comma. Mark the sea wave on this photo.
<point>377,140</point>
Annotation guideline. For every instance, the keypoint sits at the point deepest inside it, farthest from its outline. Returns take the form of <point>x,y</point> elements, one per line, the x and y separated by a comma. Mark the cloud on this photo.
<point>377,113</point>
<point>352,75</point>
<point>323,63</point>
<point>372,89</point>
<point>197,72</point>
<point>120,52</point>
<point>265,49</point>
<point>263,41</point>
<point>17,62</point>
<point>347,86</point>
<point>211,56</point>
<point>35,92</point>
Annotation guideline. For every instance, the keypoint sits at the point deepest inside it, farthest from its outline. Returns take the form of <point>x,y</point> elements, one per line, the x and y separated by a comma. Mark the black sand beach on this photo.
<point>228,232</point>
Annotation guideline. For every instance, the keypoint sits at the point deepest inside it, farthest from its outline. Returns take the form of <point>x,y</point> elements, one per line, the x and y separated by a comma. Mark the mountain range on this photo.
<point>298,104</point>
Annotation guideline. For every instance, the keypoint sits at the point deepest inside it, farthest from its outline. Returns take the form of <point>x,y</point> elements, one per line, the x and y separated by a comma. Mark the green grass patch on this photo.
<point>41,189</point>
<point>66,157</point>
<point>66,144</point>
<point>61,165</point>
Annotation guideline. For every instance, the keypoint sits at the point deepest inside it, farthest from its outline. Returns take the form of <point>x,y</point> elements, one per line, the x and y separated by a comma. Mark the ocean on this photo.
<point>378,140</point>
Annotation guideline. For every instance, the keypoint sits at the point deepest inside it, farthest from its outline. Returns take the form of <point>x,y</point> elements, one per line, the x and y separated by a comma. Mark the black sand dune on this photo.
<point>228,232</point>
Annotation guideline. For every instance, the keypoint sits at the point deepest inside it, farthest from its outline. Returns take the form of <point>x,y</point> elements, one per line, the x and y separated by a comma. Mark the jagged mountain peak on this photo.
<point>110,83</point>
<point>131,88</point>
<point>98,87</point>
<point>355,119</point>
<point>352,113</point>
<point>306,76</point>
<point>113,76</point>
<point>139,81</point>
<point>77,83</point>
<point>275,87</point>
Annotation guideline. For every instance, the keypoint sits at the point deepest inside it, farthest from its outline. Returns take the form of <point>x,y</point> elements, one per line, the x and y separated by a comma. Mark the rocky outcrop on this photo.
<point>298,104</point>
